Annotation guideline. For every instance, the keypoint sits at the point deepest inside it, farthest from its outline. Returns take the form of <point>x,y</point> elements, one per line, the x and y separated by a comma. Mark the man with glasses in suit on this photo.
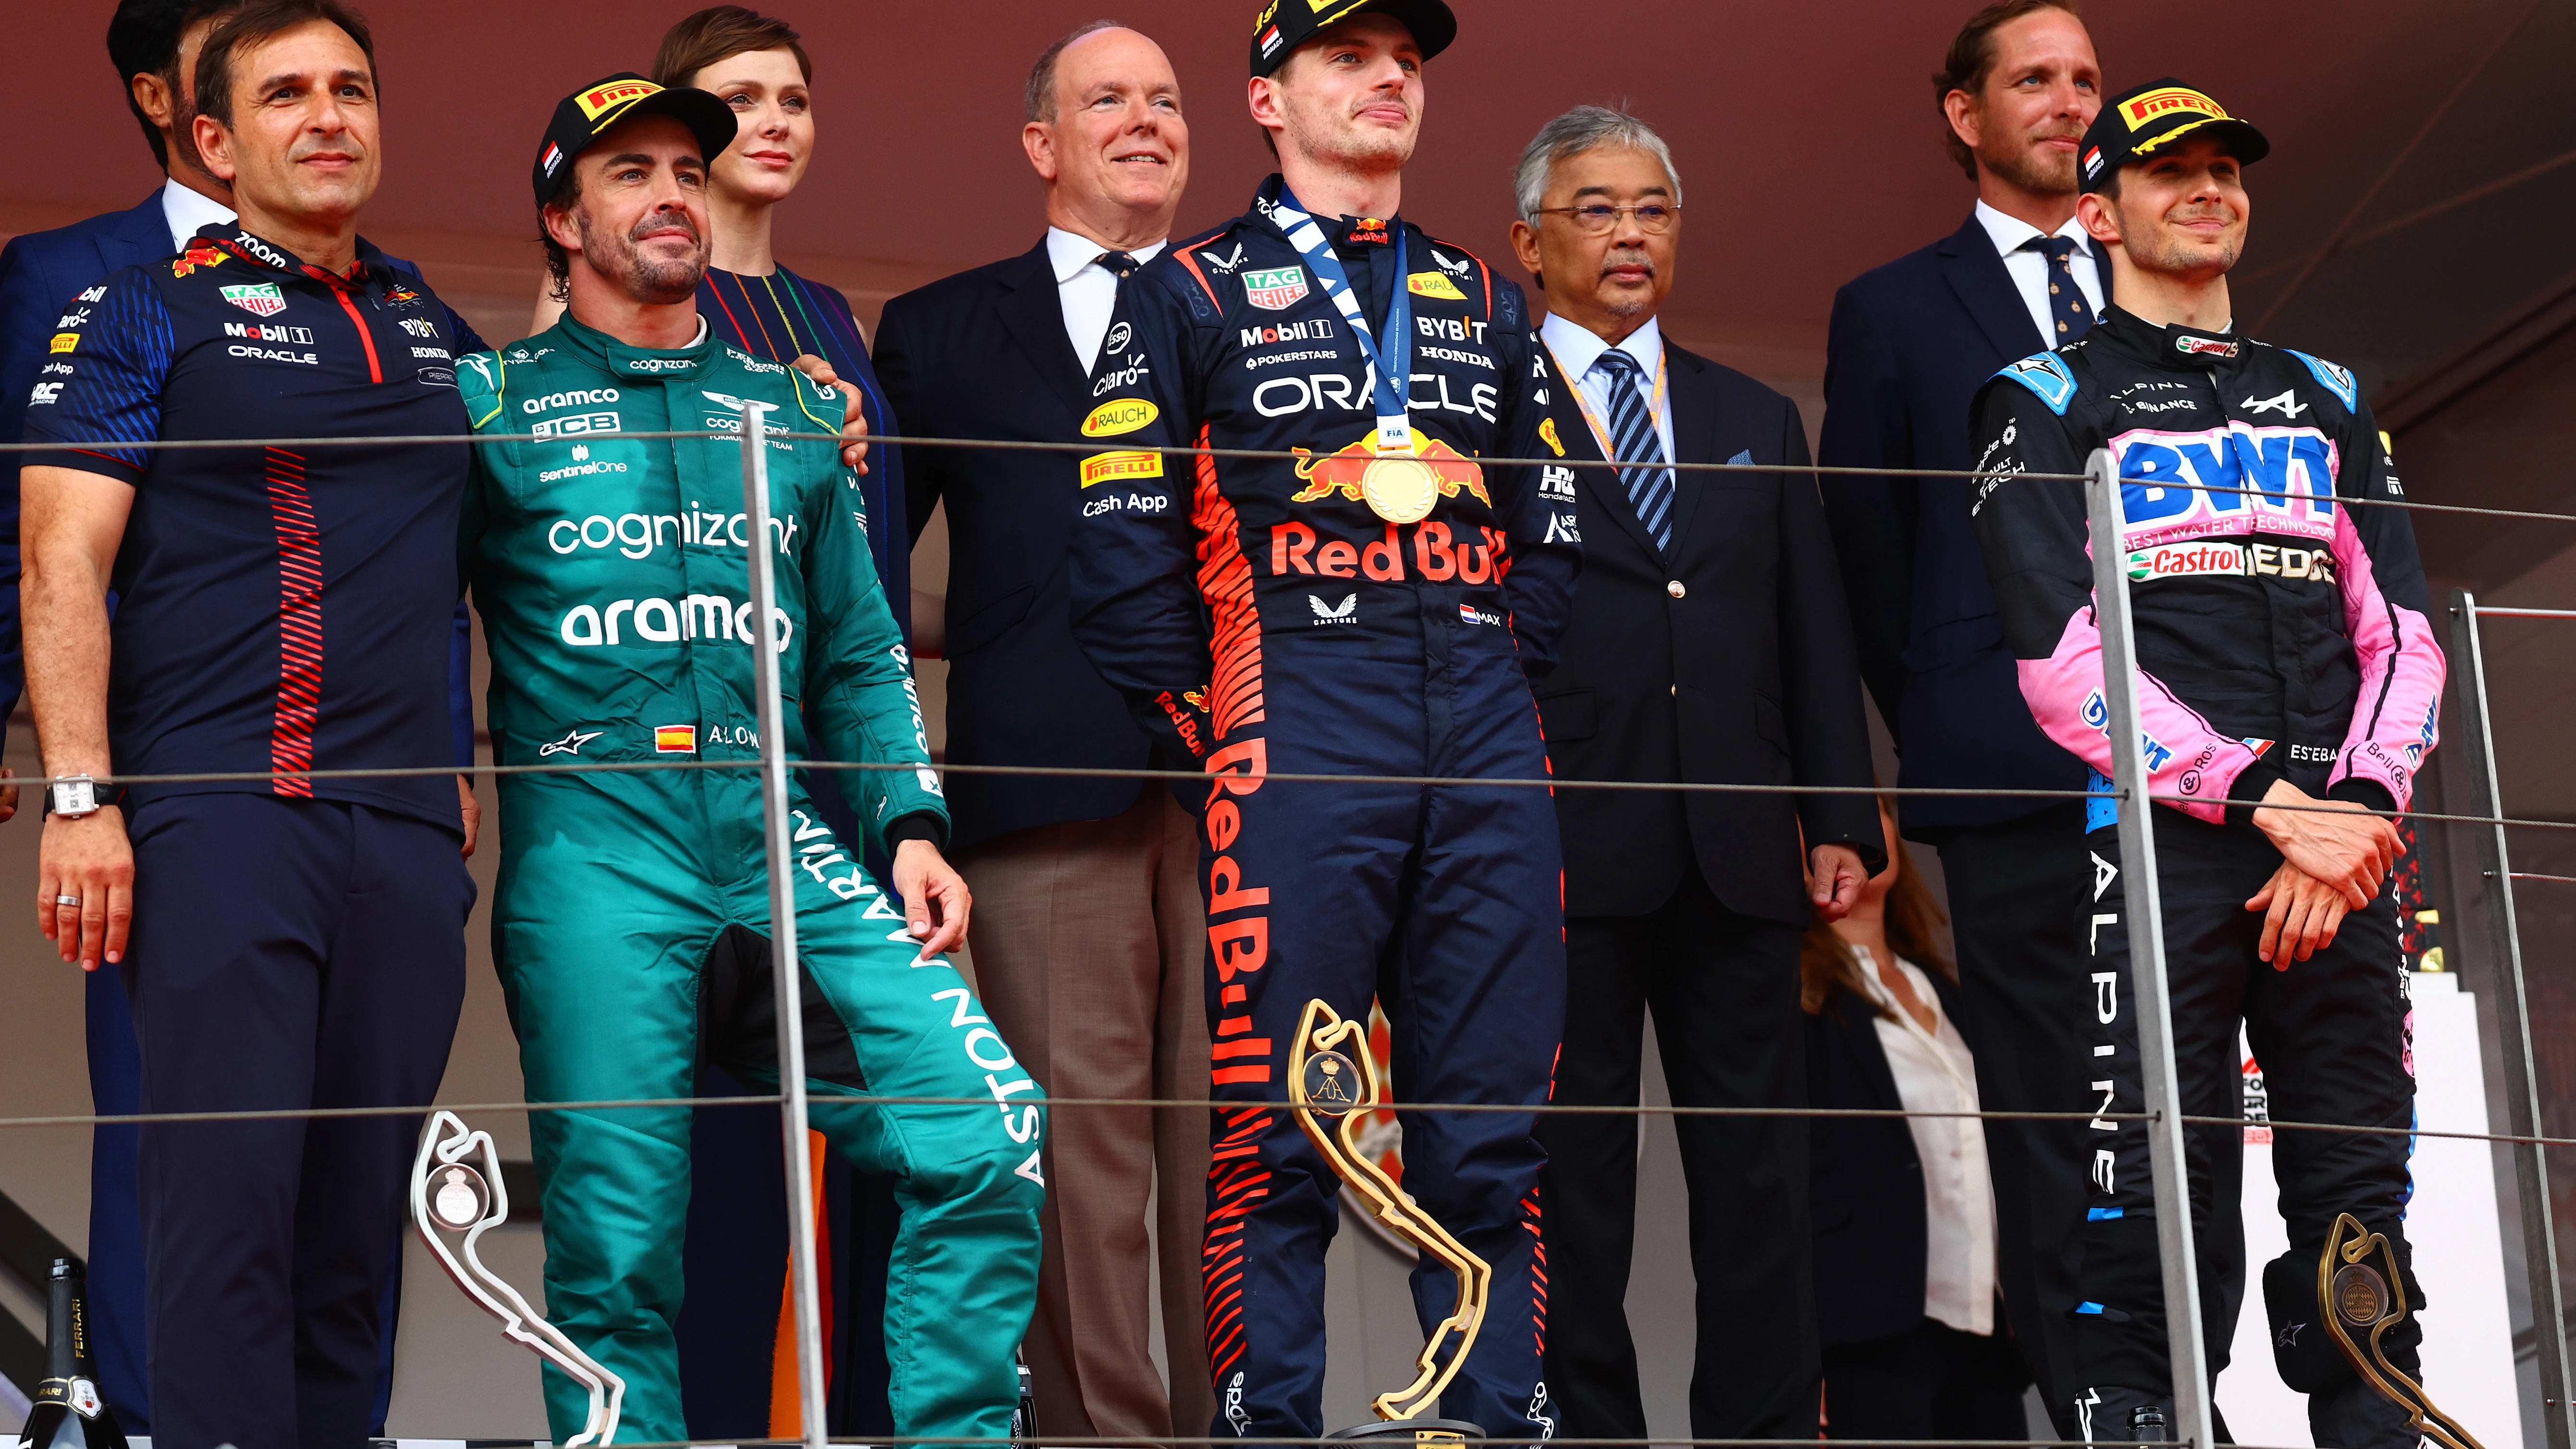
<point>1708,643</point>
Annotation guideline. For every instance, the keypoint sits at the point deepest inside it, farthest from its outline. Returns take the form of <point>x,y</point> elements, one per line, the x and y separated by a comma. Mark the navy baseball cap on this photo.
<point>587,114</point>
<point>2140,121</point>
<point>1283,25</point>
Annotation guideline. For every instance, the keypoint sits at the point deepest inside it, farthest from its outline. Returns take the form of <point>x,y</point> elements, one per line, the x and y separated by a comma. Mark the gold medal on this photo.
<point>1400,489</point>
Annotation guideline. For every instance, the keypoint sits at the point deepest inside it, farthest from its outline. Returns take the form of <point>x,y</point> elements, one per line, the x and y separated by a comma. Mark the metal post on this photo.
<point>2513,1023</point>
<point>2151,994</point>
<point>793,1124</point>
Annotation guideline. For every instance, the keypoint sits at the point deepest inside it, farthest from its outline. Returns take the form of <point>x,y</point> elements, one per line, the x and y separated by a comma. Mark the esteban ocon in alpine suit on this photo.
<point>2285,658</point>
<point>1346,613</point>
<point>632,919</point>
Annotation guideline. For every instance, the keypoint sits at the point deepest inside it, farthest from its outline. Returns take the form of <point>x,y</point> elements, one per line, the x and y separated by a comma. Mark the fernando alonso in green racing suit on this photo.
<point>631,921</point>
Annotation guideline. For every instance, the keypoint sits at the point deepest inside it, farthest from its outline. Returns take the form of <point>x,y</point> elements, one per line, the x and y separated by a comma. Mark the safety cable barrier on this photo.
<point>1552,782</point>
<point>1030,445</point>
<point>1544,1109</point>
<point>792,1095</point>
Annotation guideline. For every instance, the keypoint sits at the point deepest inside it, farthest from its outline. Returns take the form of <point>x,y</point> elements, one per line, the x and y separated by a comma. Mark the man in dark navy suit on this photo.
<point>1709,643</point>
<point>1088,930</point>
<point>1910,343</point>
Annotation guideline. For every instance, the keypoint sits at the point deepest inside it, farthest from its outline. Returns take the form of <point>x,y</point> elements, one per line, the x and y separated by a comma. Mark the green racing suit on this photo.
<point>631,923</point>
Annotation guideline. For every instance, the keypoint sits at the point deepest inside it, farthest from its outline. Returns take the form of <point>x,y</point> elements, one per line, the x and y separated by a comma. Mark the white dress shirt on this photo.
<point>187,210</point>
<point>2030,270</point>
<point>1934,1073</point>
<point>1576,348</point>
<point>1087,290</point>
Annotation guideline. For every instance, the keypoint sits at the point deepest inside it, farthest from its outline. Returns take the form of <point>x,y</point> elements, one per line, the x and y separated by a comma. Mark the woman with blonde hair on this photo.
<point>1914,1339</point>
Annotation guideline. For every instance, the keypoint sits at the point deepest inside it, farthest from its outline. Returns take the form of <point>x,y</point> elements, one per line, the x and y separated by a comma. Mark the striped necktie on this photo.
<point>1633,439</point>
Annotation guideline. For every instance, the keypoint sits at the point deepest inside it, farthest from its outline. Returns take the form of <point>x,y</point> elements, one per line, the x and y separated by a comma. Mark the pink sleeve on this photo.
<point>2185,755</point>
<point>2396,716</point>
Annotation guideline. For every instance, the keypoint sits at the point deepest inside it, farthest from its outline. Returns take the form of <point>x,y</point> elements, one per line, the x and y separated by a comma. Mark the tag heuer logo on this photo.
<point>1276,290</point>
<point>261,298</point>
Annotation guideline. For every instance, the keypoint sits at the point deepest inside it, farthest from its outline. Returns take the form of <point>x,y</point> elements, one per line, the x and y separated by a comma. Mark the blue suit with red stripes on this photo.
<point>297,943</point>
<point>1262,619</point>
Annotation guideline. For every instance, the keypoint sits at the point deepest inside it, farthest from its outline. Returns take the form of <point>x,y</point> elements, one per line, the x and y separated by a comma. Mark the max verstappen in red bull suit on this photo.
<point>1374,606</point>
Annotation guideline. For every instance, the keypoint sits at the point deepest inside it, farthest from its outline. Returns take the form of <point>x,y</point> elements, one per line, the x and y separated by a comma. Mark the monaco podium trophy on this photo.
<point>2359,1291</point>
<point>1325,1081</point>
<point>457,1194</point>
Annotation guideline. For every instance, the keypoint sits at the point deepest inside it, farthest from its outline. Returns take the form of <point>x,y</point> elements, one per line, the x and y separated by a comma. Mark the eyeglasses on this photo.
<point>1653,217</point>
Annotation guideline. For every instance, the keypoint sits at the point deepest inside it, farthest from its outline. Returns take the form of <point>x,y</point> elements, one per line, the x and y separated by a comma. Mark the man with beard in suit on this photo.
<point>1910,343</point>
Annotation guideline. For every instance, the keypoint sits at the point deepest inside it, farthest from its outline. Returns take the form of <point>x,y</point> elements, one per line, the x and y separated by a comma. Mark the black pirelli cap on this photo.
<point>1280,26</point>
<point>587,114</point>
<point>2137,123</point>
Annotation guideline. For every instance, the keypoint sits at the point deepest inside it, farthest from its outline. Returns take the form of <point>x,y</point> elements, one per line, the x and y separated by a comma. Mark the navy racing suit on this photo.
<point>1261,618</point>
<point>2282,633</point>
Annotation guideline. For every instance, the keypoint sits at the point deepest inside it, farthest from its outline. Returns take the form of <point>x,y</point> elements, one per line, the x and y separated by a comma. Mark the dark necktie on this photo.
<point>1633,439</point>
<point>1117,264</point>
<point>2066,304</point>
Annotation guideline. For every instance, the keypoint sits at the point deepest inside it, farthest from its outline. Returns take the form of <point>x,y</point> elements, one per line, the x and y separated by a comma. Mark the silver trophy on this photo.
<point>456,1197</point>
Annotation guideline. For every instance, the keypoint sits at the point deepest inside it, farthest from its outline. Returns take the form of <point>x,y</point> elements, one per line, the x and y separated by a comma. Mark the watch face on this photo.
<point>75,797</point>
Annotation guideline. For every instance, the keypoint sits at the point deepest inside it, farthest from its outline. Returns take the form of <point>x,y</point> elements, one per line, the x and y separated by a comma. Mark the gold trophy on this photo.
<point>1327,1082</point>
<point>2360,1296</point>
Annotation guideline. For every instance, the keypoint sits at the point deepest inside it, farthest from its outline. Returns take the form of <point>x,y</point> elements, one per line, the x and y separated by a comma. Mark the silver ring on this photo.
<point>67,900</point>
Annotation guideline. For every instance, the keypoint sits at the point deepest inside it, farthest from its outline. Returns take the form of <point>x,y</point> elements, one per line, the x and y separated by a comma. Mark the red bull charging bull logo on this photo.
<point>1345,469</point>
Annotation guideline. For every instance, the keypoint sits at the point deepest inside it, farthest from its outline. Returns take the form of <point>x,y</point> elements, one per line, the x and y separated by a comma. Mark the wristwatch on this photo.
<point>74,796</point>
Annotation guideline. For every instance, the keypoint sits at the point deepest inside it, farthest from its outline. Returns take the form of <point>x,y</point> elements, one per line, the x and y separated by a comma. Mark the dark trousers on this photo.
<point>2012,912</point>
<point>287,953</point>
<point>1724,990</point>
<point>1930,1382</point>
<point>114,1294</point>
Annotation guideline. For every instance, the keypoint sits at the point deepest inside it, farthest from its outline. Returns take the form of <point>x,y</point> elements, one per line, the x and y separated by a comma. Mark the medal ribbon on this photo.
<point>1393,362</point>
<point>1601,428</point>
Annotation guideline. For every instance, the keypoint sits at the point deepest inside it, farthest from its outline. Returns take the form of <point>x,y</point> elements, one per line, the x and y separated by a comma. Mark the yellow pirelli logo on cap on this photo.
<point>599,101</point>
<point>1115,467</point>
<point>675,739</point>
<point>2138,111</point>
<point>1119,415</point>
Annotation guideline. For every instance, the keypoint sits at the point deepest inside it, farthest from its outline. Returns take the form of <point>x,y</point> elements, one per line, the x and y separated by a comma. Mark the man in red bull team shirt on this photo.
<point>1375,607</point>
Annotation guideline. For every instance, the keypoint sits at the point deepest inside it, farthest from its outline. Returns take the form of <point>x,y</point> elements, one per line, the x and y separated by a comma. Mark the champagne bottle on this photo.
<point>69,1413</point>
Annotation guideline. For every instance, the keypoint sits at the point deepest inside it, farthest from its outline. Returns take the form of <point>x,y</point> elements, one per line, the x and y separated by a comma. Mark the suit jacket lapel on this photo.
<point>1695,434</point>
<point>141,235</point>
<point>1977,277</point>
<point>1592,472</point>
<point>1034,314</point>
